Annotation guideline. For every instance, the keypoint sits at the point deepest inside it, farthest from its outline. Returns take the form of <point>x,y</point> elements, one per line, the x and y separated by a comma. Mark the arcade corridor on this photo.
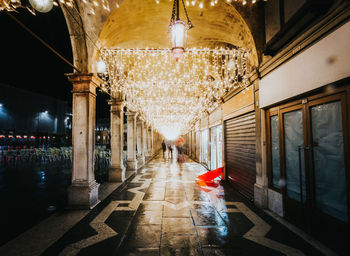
<point>256,89</point>
<point>162,211</point>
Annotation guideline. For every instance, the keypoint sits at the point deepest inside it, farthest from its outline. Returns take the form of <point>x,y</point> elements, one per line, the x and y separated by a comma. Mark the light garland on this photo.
<point>9,5</point>
<point>202,3</point>
<point>12,5</point>
<point>169,94</point>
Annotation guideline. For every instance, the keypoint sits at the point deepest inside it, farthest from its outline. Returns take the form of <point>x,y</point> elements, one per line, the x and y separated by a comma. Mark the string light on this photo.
<point>213,3</point>
<point>12,5</point>
<point>169,94</point>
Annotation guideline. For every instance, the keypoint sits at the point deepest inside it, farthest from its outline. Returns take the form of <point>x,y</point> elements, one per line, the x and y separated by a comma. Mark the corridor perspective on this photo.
<point>174,127</point>
<point>163,211</point>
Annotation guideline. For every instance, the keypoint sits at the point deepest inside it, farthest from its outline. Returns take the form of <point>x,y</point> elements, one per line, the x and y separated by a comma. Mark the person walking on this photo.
<point>170,148</point>
<point>164,148</point>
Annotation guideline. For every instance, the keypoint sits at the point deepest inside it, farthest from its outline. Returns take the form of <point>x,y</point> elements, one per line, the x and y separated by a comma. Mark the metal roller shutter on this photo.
<point>240,151</point>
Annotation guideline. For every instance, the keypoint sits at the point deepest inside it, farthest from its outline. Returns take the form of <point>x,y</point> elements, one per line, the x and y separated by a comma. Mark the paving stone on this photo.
<point>174,217</point>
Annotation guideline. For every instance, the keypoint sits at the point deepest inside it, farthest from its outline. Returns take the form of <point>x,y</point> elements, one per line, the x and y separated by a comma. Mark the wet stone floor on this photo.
<point>33,191</point>
<point>163,211</point>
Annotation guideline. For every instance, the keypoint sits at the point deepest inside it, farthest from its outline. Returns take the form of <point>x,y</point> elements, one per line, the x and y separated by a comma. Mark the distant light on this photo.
<point>0,105</point>
<point>101,67</point>
<point>46,112</point>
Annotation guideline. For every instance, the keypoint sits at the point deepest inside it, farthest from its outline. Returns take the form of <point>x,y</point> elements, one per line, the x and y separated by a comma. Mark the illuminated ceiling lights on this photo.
<point>202,3</point>
<point>168,94</point>
<point>178,29</point>
<point>42,6</point>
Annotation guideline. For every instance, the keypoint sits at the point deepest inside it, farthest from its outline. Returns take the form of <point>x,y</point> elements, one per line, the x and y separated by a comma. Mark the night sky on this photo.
<point>27,64</point>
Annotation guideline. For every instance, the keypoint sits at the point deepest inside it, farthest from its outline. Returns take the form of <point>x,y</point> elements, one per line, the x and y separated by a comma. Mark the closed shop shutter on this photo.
<point>240,150</point>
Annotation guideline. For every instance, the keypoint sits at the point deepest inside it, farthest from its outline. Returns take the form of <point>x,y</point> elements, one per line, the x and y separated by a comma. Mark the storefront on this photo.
<point>240,141</point>
<point>307,149</point>
<point>307,137</point>
<point>204,159</point>
<point>215,147</point>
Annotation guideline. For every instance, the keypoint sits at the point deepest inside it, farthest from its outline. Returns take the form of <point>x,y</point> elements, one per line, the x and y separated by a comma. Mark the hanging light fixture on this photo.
<point>178,29</point>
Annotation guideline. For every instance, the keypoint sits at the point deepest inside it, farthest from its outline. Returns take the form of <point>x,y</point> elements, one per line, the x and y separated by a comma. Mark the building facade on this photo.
<point>286,136</point>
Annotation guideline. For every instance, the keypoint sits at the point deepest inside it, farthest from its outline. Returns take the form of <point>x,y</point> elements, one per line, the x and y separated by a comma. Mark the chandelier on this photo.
<point>168,94</point>
<point>178,29</point>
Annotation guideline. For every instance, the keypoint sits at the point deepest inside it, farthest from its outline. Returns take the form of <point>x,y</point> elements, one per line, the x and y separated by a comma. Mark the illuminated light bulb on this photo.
<point>201,5</point>
<point>101,67</point>
<point>212,3</point>
<point>178,35</point>
<point>42,5</point>
<point>193,3</point>
<point>253,1</point>
<point>244,2</point>
<point>187,3</point>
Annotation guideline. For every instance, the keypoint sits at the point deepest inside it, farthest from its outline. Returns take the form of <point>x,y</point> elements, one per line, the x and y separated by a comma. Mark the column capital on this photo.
<point>84,83</point>
<point>139,121</point>
<point>116,105</point>
<point>131,113</point>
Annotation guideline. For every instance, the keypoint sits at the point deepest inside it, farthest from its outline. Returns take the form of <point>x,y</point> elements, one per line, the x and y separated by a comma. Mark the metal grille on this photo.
<point>240,143</point>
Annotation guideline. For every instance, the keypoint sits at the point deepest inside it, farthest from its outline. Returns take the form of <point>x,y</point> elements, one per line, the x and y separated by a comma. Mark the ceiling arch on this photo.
<point>144,24</point>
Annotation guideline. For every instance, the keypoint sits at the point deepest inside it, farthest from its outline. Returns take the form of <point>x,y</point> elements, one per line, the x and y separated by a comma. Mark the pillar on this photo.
<point>152,141</point>
<point>144,139</point>
<point>131,140</point>
<point>140,141</point>
<point>149,141</point>
<point>117,169</point>
<point>83,193</point>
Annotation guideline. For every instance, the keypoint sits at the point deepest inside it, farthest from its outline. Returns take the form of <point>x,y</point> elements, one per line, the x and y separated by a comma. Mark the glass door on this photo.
<point>219,146</point>
<point>329,196</point>
<point>293,182</point>
<point>308,146</point>
<point>309,164</point>
<point>204,147</point>
<point>213,148</point>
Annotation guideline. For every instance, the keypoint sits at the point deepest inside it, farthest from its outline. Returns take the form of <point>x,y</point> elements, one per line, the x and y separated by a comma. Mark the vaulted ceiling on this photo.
<point>144,24</point>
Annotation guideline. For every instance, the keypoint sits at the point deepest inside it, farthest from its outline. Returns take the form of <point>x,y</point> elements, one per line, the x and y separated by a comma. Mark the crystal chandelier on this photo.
<point>178,29</point>
<point>168,94</point>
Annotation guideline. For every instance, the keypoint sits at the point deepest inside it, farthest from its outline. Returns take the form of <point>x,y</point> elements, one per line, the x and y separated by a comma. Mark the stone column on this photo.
<point>152,141</point>
<point>131,140</point>
<point>117,169</point>
<point>140,141</point>
<point>144,140</point>
<point>149,141</point>
<point>83,193</point>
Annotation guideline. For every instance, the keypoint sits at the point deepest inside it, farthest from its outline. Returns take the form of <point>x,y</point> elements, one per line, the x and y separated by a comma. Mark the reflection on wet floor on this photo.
<point>33,188</point>
<point>163,211</point>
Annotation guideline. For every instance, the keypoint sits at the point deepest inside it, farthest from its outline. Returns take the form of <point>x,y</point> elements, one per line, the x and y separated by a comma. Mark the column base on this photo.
<point>116,174</point>
<point>260,196</point>
<point>132,165</point>
<point>83,195</point>
<point>141,161</point>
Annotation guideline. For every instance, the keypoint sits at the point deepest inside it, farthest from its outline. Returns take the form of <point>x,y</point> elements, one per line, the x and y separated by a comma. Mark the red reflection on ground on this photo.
<point>211,175</point>
<point>212,187</point>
